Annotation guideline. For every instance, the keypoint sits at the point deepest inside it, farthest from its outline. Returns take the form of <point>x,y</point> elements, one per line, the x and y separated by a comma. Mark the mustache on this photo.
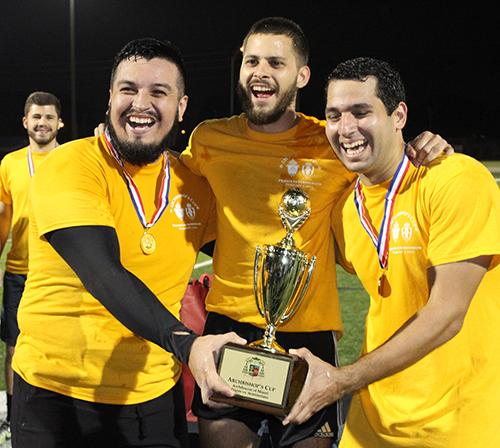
<point>132,110</point>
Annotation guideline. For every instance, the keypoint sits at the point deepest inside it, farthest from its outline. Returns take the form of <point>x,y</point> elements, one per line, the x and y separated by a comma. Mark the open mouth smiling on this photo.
<point>140,123</point>
<point>262,91</point>
<point>354,148</point>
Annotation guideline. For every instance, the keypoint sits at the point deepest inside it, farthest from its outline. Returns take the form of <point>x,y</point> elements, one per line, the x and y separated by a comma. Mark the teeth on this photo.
<point>262,89</point>
<point>139,120</point>
<point>355,147</point>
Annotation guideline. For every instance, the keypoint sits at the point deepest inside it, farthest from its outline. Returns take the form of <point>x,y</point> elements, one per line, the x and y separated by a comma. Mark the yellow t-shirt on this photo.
<point>15,181</point>
<point>451,398</point>
<point>70,343</point>
<point>249,172</point>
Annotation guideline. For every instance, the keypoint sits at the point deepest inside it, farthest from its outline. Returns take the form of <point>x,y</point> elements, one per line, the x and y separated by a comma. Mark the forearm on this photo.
<point>423,333</point>
<point>452,287</point>
<point>138,309</point>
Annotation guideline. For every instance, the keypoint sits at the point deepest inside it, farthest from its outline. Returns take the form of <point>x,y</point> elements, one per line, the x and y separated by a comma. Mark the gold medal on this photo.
<point>148,243</point>
<point>381,282</point>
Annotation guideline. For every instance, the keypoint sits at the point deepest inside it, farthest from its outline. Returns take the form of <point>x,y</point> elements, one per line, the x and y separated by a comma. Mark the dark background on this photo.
<point>446,52</point>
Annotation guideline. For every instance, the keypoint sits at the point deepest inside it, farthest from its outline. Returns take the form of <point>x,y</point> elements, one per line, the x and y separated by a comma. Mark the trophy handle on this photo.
<point>257,281</point>
<point>302,289</point>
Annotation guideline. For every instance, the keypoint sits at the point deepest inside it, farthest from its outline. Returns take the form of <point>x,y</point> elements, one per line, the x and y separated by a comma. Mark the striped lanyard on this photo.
<point>31,166</point>
<point>134,191</point>
<point>382,241</point>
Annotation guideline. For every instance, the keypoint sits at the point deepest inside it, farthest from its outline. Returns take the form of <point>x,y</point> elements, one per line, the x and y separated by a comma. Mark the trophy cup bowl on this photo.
<point>263,376</point>
<point>281,276</point>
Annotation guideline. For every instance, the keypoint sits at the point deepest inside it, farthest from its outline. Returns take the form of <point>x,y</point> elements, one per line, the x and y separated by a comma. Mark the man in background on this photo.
<point>42,119</point>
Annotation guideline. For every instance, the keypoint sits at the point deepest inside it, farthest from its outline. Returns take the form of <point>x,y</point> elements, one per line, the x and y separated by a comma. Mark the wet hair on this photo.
<point>150,48</point>
<point>390,88</point>
<point>42,99</point>
<point>283,27</point>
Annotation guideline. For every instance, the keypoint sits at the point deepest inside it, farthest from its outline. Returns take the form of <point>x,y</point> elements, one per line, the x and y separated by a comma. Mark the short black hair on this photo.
<point>283,27</point>
<point>150,48</point>
<point>42,99</point>
<point>390,88</point>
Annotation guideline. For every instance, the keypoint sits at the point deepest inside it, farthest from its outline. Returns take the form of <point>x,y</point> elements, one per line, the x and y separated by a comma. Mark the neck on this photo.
<point>385,169</point>
<point>35,147</point>
<point>287,121</point>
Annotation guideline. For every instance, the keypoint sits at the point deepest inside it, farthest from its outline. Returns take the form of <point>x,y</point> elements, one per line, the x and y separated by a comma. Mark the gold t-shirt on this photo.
<point>70,343</point>
<point>249,171</point>
<point>15,181</point>
<point>442,214</point>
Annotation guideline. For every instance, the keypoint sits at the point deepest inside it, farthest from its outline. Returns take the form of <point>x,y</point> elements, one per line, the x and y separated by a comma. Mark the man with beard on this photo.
<point>97,361</point>
<point>250,161</point>
<point>41,119</point>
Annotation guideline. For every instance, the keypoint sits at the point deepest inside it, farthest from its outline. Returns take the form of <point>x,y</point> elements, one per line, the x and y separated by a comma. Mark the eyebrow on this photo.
<point>157,84</point>
<point>352,107</point>
<point>268,58</point>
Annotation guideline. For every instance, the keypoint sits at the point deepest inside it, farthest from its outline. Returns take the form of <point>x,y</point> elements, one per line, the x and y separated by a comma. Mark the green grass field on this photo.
<point>354,303</point>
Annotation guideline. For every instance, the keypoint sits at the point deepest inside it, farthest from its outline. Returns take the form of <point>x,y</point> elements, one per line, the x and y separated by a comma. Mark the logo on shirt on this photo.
<point>403,229</point>
<point>304,169</point>
<point>292,167</point>
<point>186,209</point>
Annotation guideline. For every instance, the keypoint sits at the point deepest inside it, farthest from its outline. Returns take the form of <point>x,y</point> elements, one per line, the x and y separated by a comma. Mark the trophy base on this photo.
<point>263,380</point>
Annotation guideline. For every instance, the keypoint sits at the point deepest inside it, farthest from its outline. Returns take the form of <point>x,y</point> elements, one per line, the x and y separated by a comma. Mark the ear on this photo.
<point>60,123</point>
<point>25,123</point>
<point>182,106</point>
<point>303,76</point>
<point>400,115</point>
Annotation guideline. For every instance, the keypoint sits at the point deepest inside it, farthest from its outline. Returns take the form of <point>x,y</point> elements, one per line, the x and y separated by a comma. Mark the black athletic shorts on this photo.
<point>13,288</point>
<point>46,419</point>
<point>327,423</point>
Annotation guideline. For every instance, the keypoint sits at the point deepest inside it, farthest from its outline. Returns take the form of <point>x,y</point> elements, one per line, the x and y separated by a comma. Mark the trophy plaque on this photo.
<point>263,376</point>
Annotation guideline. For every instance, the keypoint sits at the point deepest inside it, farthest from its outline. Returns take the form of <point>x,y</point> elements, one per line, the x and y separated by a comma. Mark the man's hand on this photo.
<point>321,388</point>
<point>99,130</point>
<point>426,147</point>
<point>204,354</point>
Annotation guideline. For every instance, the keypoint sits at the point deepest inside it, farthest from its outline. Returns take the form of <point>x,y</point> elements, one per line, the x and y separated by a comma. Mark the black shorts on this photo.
<point>327,423</point>
<point>13,287</point>
<point>45,419</point>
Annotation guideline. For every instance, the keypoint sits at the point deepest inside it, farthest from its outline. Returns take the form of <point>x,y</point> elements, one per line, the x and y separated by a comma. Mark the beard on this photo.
<point>265,117</point>
<point>138,153</point>
<point>42,141</point>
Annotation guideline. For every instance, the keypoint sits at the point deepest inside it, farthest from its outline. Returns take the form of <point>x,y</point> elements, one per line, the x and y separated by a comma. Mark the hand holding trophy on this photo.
<point>263,376</point>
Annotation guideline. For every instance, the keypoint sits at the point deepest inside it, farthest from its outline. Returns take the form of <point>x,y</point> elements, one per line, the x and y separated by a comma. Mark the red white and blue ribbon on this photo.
<point>31,166</point>
<point>134,191</point>
<point>381,241</point>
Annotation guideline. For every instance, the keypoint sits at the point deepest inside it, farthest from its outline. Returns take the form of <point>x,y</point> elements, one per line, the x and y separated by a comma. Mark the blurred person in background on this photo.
<point>42,119</point>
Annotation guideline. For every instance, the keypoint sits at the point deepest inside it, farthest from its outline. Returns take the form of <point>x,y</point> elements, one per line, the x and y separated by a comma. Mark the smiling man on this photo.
<point>41,119</point>
<point>425,242</point>
<point>98,356</point>
<point>250,160</point>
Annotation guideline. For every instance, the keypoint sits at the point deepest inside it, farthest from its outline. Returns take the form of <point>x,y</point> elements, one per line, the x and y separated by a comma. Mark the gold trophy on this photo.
<point>263,376</point>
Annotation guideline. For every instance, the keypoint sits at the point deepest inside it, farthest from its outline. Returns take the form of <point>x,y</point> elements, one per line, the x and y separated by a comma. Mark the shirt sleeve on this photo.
<point>463,206</point>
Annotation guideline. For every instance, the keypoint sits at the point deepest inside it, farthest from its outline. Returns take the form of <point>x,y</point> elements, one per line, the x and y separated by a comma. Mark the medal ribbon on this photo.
<point>135,195</point>
<point>382,241</point>
<point>31,166</point>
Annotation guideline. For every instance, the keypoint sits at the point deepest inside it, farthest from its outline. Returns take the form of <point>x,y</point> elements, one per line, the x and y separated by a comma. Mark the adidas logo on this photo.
<point>324,431</point>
